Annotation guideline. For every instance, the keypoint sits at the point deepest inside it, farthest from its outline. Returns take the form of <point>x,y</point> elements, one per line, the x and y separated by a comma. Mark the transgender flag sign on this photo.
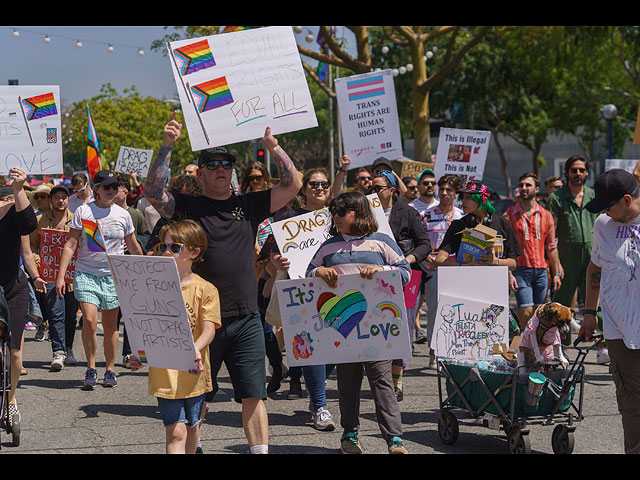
<point>365,88</point>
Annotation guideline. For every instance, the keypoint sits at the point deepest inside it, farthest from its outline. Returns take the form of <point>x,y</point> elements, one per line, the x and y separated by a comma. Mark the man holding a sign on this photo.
<point>231,224</point>
<point>47,243</point>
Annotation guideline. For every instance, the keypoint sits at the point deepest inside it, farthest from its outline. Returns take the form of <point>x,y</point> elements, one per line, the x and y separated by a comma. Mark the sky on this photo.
<point>80,72</point>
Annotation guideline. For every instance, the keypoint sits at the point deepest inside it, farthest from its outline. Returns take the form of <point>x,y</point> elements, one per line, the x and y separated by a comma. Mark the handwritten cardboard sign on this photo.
<point>369,117</point>
<point>360,320</point>
<point>153,310</point>
<point>233,85</point>
<point>30,129</point>
<point>52,243</point>
<point>462,153</point>
<point>134,159</point>
<point>298,238</point>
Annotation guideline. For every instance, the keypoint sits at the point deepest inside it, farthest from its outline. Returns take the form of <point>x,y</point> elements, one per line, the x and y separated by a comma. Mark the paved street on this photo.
<point>58,417</point>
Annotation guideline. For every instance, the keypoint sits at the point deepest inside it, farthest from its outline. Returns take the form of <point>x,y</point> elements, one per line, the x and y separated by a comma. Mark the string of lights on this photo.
<point>79,42</point>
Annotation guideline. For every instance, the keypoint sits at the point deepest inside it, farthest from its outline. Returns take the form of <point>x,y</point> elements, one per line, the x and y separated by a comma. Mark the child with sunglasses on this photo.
<point>357,247</point>
<point>181,395</point>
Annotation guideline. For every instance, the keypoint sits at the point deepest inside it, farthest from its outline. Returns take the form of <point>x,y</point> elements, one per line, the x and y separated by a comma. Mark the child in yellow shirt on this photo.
<point>181,395</point>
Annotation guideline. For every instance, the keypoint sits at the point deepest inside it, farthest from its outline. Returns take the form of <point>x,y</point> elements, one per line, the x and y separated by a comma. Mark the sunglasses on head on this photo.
<point>173,247</point>
<point>315,185</point>
<point>214,164</point>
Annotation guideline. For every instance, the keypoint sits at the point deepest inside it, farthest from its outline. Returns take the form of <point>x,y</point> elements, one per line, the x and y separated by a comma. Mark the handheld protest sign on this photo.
<point>153,310</point>
<point>360,320</point>
<point>52,244</point>
<point>462,152</point>
<point>233,85</point>
<point>31,129</point>
<point>134,159</point>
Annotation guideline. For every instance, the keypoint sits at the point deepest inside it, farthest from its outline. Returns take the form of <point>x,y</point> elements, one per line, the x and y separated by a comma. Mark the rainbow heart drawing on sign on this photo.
<point>342,313</point>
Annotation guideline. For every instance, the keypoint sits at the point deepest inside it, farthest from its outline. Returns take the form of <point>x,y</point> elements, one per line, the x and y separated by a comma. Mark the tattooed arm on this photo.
<point>591,301</point>
<point>155,189</point>
<point>290,182</point>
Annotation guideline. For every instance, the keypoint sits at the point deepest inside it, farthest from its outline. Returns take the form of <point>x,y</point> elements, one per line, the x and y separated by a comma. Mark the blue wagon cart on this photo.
<point>509,402</point>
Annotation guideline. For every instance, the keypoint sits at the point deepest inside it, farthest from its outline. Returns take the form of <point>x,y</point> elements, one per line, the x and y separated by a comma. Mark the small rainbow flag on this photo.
<point>142,356</point>
<point>40,106</point>
<point>95,243</point>
<point>193,57</point>
<point>212,94</point>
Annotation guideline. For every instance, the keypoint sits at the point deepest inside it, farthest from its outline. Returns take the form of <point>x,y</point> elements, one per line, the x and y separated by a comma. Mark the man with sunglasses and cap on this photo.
<point>613,282</point>
<point>230,222</point>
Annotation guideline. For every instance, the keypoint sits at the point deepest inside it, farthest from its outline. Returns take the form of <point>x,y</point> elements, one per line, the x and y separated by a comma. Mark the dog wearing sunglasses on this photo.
<point>542,338</point>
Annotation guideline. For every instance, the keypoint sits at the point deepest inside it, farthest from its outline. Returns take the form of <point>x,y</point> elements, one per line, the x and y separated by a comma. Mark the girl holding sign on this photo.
<point>181,395</point>
<point>355,239</point>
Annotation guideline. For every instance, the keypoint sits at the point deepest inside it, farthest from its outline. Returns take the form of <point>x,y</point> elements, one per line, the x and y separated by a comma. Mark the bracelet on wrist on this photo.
<point>589,311</point>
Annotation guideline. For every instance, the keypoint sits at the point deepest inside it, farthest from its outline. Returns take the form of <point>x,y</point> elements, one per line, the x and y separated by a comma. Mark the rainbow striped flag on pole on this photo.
<point>40,106</point>
<point>212,94</point>
<point>96,159</point>
<point>193,57</point>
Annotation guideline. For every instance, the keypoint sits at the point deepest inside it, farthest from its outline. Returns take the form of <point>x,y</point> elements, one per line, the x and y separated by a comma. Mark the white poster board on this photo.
<point>462,153</point>
<point>233,85</point>
<point>464,295</point>
<point>298,238</point>
<point>369,117</point>
<point>624,164</point>
<point>153,310</point>
<point>134,159</point>
<point>30,129</point>
<point>360,320</point>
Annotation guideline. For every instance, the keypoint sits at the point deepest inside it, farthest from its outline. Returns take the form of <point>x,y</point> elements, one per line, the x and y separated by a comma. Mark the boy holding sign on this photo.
<point>181,395</point>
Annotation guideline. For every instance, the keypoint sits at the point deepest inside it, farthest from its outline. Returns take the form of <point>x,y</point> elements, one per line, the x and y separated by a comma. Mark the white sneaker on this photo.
<point>602,356</point>
<point>575,326</point>
<point>323,420</point>
<point>58,361</point>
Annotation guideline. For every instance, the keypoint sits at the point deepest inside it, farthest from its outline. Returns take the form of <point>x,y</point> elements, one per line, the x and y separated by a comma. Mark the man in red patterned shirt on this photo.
<point>535,232</point>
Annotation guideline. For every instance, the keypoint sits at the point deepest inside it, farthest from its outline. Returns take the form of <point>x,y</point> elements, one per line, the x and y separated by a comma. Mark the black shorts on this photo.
<point>17,295</point>
<point>239,343</point>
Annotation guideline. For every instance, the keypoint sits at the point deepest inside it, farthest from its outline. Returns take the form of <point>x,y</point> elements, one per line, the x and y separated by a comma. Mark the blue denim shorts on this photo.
<point>532,286</point>
<point>185,410</point>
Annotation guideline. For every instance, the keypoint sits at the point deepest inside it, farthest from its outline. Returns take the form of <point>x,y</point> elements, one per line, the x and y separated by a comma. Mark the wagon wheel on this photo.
<point>519,442</point>
<point>562,440</point>
<point>448,427</point>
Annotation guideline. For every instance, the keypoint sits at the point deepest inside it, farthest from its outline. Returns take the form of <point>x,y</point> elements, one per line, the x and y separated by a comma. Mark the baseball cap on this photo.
<point>426,171</point>
<point>58,188</point>
<point>6,191</point>
<point>105,178</point>
<point>381,161</point>
<point>210,153</point>
<point>610,187</point>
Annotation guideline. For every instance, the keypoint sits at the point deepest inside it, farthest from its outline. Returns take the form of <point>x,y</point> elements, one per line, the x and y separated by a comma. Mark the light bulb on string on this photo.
<point>15,33</point>
<point>78,44</point>
<point>47,39</point>
<point>110,48</point>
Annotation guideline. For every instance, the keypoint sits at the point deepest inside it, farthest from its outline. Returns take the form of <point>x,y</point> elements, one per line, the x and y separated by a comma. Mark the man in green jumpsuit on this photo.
<point>574,229</point>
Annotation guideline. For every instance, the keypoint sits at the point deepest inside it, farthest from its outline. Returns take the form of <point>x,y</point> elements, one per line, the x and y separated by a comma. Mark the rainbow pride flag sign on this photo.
<point>360,320</point>
<point>235,84</point>
<point>32,122</point>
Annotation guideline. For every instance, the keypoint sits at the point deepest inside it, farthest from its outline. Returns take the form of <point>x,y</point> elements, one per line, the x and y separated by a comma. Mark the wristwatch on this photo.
<point>592,312</point>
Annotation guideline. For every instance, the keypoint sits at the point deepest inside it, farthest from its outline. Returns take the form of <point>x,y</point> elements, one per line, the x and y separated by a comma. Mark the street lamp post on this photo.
<point>609,112</point>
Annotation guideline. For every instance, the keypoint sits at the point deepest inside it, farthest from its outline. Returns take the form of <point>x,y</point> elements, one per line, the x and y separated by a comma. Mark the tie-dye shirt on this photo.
<point>616,249</point>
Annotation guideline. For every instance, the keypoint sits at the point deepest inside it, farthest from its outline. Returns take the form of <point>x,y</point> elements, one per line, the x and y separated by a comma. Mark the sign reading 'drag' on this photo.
<point>134,159</point>
<point>30,129</point>
<point>233,85</point>
<point>360,320</point>
<point>462,153</point>
<point>298,238</point>
<point>369,117</point>
<point>153,310</point>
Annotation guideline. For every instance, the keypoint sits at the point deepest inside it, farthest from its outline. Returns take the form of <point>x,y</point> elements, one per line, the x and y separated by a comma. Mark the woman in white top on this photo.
<point>98,228</point>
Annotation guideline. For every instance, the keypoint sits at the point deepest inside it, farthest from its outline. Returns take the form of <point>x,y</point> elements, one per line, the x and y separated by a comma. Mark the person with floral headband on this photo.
<point>478,210</point>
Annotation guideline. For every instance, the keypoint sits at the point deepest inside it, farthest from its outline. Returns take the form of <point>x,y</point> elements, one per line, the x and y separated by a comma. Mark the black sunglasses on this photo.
<point>113,186</point>
<point>428,182</point>
<point>254,178</point>
<point>340,211</point>
<point>315,185</point>
<point>214,164</point>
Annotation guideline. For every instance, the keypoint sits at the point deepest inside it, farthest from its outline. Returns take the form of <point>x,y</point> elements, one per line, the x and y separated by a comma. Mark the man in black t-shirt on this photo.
<point>230,223</point>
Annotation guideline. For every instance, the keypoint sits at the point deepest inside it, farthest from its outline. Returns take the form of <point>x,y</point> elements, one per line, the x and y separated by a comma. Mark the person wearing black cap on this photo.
<point>478,210</point>
<point>96,229</point>
<point>613,282</point>
<point>231,223</point>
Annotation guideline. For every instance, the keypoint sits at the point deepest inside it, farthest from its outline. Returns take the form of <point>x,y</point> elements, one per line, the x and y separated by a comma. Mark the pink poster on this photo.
<point>412,289</point>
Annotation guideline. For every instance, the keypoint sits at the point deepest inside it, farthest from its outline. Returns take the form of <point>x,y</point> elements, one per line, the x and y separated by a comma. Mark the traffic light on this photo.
<point>260,155</point>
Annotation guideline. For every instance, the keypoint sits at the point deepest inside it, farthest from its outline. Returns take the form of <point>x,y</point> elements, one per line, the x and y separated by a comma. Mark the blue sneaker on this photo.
<point>90,378</point>
<point>110,379</point>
